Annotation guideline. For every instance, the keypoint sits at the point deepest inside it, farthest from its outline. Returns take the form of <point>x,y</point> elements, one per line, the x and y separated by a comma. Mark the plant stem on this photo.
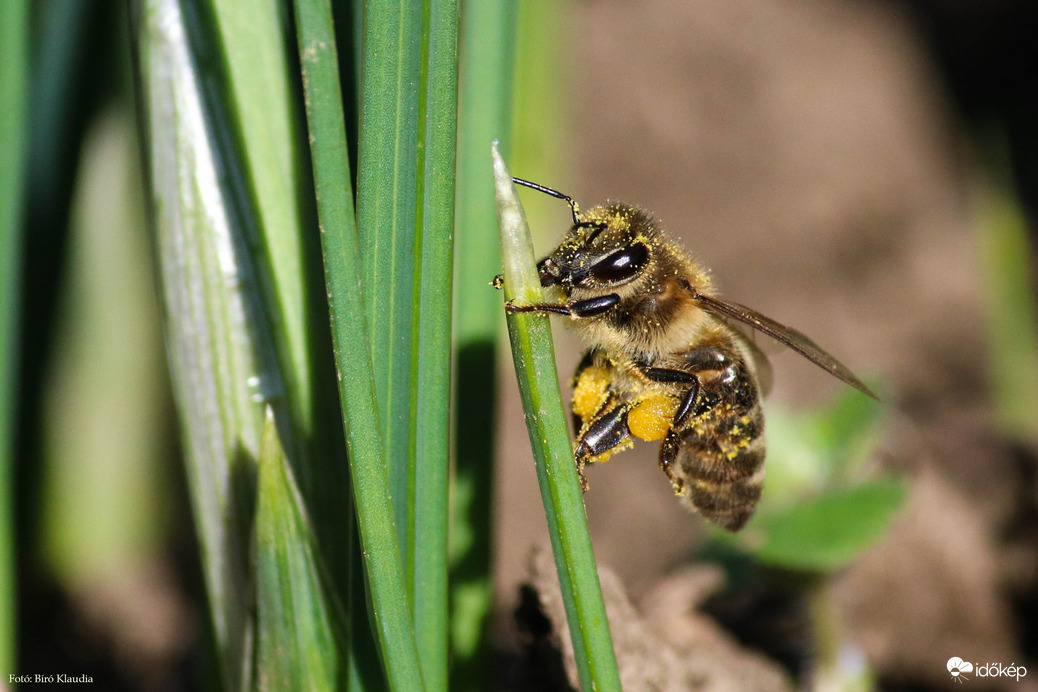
<point>534,356</point>
<point>343,269</point>
<point>386,218</point>
<point>431,360</point>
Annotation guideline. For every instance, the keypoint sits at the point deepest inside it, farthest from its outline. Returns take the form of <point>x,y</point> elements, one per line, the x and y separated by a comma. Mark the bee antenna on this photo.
<point>554,193</point>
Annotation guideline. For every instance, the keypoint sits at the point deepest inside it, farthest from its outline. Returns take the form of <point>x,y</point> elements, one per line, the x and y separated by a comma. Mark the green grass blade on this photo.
<point>256,89</point>
<point>221,352</point>
<point>61,63</point>
<point>262,118</point>
<point>437,146</point>
<point>296,639</point>
<point>485,104</point>
<point>14,55</point>
<point>258,85</point>
<point>534,357</point>
<point>386,217</point>
<point>343,269</point>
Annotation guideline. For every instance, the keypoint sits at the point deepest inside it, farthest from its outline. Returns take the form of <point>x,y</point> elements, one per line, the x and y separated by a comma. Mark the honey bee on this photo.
<point>664,361</point>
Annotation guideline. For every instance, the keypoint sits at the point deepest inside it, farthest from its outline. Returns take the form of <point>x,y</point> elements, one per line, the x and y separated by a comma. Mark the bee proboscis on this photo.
<point>663,361</point>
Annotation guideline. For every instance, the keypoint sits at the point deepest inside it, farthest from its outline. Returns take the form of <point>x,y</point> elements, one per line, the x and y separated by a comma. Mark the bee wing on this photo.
<point>785,335</point>
<point>762,366</point>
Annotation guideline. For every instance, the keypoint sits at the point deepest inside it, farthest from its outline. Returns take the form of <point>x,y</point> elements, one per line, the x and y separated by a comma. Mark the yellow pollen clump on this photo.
<point>650,419</point>
<point>590,392</point>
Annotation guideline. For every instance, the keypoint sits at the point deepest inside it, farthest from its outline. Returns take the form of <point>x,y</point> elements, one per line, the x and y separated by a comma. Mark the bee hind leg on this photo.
<point>692,404</point>
<point>687,405</point>
<point>607,431</point>
<point>668,454</point>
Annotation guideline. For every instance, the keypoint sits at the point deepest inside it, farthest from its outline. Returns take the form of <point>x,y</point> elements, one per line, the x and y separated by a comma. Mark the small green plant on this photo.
<point>824,504</point>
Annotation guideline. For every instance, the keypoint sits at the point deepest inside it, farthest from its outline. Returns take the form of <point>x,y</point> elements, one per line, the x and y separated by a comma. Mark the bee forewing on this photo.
<point>787,336</point>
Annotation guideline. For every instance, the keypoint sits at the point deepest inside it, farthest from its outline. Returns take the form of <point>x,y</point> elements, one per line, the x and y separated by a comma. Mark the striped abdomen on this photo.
<point>720,454</point>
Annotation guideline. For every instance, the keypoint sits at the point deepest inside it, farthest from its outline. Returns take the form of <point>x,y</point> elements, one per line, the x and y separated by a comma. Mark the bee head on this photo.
<point>608,246</point>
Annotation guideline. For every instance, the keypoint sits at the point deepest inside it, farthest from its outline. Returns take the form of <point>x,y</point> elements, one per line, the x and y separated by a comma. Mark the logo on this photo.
<point>958,668</point>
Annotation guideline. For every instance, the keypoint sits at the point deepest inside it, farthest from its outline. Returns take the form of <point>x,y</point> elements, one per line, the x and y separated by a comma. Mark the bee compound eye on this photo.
<point>622,265</point>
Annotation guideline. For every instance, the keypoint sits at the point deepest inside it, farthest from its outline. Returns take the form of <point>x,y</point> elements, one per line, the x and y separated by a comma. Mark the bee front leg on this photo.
<point>578,308</point>
<point>606,431</point>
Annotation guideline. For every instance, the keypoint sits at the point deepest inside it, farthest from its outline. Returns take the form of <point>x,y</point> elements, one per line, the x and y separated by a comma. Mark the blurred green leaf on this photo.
<point>298,649</point>
<point>485,100</point>
<point>825,448</point>
<point>1007,255</point>
<point>14,58</point>
<point>828,531</point>
<point>542,117</point>
<point>846,431</point>
<point>106,479</point>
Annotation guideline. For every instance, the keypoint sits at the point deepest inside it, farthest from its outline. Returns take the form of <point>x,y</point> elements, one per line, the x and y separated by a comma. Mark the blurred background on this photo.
<point>866,171</point>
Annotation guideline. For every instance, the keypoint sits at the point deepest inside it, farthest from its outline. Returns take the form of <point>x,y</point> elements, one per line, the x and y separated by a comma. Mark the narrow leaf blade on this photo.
<point>298,648</point>
<point>14,55</point>
<point>343,269</point>
<point>432,358</point>
<point>534,357</point>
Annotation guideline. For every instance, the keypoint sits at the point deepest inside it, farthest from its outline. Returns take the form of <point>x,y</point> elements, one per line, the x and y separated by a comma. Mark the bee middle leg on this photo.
<point>606,431</point>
